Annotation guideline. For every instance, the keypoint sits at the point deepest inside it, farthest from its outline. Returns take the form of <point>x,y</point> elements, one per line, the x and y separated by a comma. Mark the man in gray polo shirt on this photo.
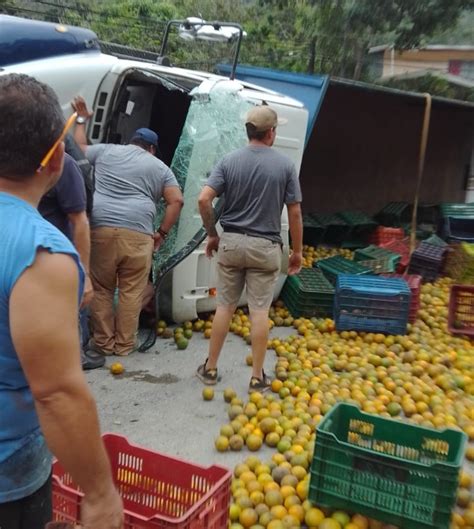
<point>256,182</point>
<point>129,181</point>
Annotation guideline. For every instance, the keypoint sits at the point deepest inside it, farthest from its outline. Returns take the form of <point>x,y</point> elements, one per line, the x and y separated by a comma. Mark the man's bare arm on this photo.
<point>174,202</point>
<point>80,106</point>
<point>82,242</point>
<point>81,236</point>
<point>206,210</point>
<point>295,221</point>
<point>47,344</point>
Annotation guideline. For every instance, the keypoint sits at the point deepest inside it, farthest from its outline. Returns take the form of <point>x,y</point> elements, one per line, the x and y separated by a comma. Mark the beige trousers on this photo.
<point>119,257</point>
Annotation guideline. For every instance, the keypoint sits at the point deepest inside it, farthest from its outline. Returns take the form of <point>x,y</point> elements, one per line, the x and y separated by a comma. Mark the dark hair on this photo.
<point>31,121</point>
<point>253,133</point>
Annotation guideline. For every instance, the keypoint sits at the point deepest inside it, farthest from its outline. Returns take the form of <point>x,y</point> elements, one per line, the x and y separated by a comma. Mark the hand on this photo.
<point>88,292</point>
<point>104,512</point>
<point>294,264</point>
<point>212,245</point>
<point>80,106</point>
<point>157,240</point>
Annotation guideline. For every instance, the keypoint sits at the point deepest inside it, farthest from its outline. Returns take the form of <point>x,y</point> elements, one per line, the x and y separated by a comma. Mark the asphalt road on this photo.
<point>157,403</point>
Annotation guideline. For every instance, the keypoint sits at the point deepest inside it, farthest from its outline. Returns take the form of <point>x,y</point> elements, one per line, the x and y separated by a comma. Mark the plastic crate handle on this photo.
<point>199,523</point>
<point>382,291</point>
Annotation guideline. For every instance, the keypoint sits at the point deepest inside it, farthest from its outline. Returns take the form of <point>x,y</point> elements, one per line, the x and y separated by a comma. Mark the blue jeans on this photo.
<point>84,333</point>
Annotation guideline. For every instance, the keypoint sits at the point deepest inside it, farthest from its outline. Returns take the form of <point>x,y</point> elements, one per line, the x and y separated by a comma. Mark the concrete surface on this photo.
<point>157,403</point>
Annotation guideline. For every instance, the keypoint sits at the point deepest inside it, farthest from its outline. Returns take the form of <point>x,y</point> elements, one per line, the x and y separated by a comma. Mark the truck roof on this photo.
<point>23,40</point>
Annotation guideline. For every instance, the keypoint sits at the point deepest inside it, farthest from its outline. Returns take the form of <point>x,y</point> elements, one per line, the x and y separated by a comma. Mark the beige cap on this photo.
<point>262,117</point>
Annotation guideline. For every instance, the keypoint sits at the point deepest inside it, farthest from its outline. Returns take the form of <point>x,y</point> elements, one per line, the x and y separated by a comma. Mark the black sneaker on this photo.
<point>208,376</point>
<point>260,384</point>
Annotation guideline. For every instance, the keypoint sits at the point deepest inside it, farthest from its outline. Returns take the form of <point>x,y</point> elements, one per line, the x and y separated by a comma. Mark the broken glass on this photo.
<point>214,126</point>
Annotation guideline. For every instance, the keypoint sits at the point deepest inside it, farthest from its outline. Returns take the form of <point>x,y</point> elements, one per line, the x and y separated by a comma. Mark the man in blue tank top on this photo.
<point>45,403</point>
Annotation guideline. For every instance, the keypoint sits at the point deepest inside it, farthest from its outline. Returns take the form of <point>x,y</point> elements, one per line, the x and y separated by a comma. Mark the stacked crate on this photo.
<point>395,214</point>
<point>308,294</point>
<point>461,310</point>
<point>402,248</point>
<point>414,283</point>
<point>334,266</point>
<point>384,234</point>
<point>336,228</point>
<point>427,261</point>
<point>360,227</point>
<point>372,304</point>
<point>379,260</point>
<point>313,231</point>
<point>457,222</point>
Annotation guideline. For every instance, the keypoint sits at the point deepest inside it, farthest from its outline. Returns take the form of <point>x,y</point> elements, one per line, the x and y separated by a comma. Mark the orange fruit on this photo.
<point>117,368</point>
<point>207,393</point>
<point>253,442</point>
<point>313,517</point>
<point>248,517</point>
<point>361,522</point>
<point>222,443</point>
<point>273,497</point>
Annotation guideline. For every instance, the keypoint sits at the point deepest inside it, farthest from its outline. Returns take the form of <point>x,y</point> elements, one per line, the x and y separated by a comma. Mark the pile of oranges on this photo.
<point>425,377</point>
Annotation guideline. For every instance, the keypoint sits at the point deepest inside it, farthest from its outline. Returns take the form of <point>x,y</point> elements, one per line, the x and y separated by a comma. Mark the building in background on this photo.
<point>385,61</point>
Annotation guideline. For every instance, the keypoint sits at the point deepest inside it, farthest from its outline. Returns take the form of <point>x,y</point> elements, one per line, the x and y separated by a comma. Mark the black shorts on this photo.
<point>32,512</point>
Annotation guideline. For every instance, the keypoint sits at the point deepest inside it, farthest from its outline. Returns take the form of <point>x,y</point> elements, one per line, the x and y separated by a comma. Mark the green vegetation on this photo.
<point>311,36</point>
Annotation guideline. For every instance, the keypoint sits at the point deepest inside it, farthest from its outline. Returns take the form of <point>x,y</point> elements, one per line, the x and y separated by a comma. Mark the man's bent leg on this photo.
<point>259,335</point>
<point>136,250</point>
<point>230,283</point>
<point>104,279</point>
<point>264,260</point>
<point>220,328</point>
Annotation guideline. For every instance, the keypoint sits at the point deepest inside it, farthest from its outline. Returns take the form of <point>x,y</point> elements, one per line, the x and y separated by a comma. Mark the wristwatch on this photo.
<point>81,120</point>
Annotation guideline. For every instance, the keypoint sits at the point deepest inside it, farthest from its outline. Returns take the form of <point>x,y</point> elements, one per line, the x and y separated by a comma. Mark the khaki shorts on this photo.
<point>251,262</point>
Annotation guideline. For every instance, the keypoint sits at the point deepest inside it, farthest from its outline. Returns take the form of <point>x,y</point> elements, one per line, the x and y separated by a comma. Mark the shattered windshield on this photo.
<point>214,126</point>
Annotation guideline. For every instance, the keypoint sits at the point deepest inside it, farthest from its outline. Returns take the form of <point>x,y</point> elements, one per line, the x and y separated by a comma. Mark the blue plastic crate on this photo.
<point>371,304</point>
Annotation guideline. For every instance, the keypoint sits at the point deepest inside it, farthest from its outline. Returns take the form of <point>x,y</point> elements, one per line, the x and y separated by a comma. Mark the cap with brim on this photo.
<point>263,118</point>
<point>146,135</point>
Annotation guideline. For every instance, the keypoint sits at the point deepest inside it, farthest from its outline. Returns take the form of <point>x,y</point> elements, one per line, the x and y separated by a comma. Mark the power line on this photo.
<point>295,49</point>
<point>104,14</point>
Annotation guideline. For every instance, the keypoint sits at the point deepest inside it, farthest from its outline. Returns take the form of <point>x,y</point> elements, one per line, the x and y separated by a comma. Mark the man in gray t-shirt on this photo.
<point>129,181</point>
<point>256,182</point>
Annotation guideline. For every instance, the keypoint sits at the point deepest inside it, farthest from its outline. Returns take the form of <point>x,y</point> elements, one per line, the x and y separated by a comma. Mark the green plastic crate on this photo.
<point>313,231</point>
<point>315,309</point>
<point>308,294</point>
<point>336,228</point>
<point>436,241</point>
<point>380,266</point>
<point>333,266</point>
<point>395,214</point>
<point>423,231</point>
<point>376,252</point>
<point>396,472</point>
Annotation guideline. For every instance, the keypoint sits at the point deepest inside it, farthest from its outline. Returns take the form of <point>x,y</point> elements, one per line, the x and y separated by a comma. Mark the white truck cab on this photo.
<point>198,116</point>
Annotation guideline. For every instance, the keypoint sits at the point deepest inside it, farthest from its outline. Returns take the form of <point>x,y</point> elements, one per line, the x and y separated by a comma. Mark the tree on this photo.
<point>325,36</point>
<point>409,22</point>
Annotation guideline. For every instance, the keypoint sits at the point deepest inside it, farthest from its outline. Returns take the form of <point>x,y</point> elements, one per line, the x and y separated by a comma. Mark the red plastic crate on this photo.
<point>402,247</point>
<point>158,491</point>
<point>384,234</point>
<point>414,282</point>
<point>461,310</point>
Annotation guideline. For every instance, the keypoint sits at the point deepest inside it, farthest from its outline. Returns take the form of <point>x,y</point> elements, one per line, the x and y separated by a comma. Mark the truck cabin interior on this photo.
<point>146,99</point>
